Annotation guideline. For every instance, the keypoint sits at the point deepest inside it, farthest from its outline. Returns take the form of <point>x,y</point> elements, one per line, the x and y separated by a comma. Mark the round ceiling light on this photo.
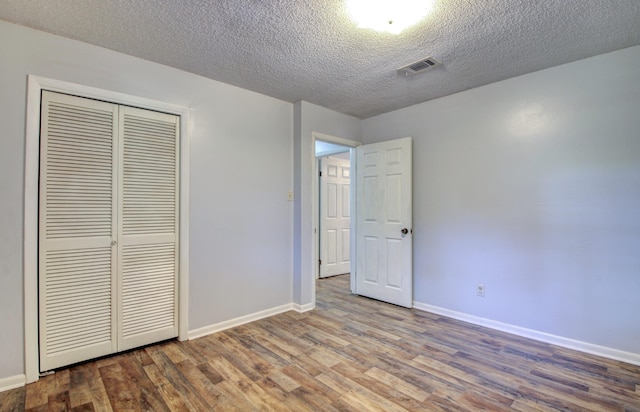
<point>392,16</point>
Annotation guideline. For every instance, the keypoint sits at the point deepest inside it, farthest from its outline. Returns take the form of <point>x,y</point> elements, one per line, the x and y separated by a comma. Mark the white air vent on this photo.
<point>419,66</point>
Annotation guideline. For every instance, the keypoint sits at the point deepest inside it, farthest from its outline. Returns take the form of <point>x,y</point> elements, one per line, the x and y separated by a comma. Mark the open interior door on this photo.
<point>384,268</point>
<point>335,222</point>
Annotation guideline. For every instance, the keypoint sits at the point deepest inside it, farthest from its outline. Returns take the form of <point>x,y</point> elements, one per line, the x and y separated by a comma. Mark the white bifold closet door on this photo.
<point>108,249</point>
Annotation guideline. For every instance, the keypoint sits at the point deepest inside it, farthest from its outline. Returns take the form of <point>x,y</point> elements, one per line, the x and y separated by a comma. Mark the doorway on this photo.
<point>331,146</point>
<point>381,227</point>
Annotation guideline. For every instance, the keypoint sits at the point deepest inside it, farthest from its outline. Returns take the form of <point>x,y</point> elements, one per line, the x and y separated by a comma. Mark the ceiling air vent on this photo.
<point>420,66</point>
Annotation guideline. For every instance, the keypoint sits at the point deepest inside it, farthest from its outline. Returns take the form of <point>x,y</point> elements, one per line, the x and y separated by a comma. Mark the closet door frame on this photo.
<point>36,85</point>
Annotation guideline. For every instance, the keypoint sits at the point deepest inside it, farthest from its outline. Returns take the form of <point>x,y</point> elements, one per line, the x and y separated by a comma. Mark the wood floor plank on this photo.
<point>98,392</point>
<point>311,385</point>
<point>227,369</point>
<point>235,393</point>
<point>204,386</point>
<point>144,390</point>
<point>403,386</point>
<point>284,381</point>
<point>212,375</point>
<point>79,390</point>
<point>295,351</point>
<point>445,403</point>
<point>85,407</point>
<point>59,402</point>
<point>357,395</point>
<point>13,399</point>
<point>527,405</point>
<point>253,344</point>
<point>167,372</point>
<point>174,352</point>
<point>170,395</point>
<point>287,399</point>
<point>47,393</point>
<point>237,350</point>
<point>255,395</point>
<point>80,395</point>
<point>121,393</point>
<point>390,393</point>
<point>41,408</point>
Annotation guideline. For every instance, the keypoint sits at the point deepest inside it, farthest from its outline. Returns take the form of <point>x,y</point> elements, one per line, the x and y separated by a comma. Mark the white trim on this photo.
<point>354,223</point>
<point>30,258</point>
<point>30,247</point>
<point>303,308</point>
<point>606,352</point>
<point>183,241</point>
<point>12,382</point>
<point>232,323</point>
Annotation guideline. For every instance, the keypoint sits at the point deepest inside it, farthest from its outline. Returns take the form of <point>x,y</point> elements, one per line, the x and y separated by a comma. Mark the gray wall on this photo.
<point>309,118</point>
<point>532,187</point>
<point>241,168</point>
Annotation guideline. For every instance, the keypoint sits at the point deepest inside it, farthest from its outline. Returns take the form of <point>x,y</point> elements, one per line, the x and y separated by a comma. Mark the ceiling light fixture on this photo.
<point>392,16</point>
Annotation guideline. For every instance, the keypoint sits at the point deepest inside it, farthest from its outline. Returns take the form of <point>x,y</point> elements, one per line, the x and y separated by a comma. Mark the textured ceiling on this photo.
<point>310,50</point>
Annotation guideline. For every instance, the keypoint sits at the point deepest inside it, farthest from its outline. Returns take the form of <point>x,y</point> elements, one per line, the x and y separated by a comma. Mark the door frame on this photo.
<point>31,203</point>
<point>315,206</point>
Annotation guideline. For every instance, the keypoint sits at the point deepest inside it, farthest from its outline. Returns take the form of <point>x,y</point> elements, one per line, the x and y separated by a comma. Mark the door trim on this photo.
<point>32,158</point>
<point>315,200</point>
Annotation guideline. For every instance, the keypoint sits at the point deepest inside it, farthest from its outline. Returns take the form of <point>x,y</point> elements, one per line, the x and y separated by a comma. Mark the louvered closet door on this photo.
<point>108,267</point>
<point>149,219</point>
<point>77,226</point>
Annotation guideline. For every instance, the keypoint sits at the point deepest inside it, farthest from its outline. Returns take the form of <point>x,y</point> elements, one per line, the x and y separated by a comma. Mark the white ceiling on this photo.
<point>311,50</point>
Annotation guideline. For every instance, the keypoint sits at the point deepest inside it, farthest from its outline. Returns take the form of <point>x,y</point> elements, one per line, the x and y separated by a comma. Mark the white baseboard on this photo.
<point>629,357</point>
<point>304,308</point>
<point>12,382</point>
<point>218,327</point>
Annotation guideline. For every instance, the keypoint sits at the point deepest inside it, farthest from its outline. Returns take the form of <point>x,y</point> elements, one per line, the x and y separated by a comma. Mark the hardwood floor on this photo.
<point>351,353</point>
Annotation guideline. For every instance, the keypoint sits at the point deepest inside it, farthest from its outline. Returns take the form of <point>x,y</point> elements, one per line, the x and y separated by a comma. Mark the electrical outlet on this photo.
<point>480,290</point>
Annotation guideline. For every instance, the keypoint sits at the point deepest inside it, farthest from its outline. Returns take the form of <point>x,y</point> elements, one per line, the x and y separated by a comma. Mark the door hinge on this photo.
<point>320,173</point>
<point>319,261</point>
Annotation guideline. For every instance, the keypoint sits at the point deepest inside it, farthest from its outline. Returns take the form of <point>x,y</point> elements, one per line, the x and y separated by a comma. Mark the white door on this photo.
<point>148,228</point>
<point>335,231</point>
<point>384,222</point>
<point>78,209</point>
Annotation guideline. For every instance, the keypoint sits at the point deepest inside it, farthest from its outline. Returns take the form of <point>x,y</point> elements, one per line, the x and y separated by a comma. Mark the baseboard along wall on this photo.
<point>231,323</point>
<point>12,382</point>
<point>629,357</point>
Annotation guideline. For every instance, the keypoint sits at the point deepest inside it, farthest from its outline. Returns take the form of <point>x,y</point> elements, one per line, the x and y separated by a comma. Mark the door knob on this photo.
<point>404,231</point>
